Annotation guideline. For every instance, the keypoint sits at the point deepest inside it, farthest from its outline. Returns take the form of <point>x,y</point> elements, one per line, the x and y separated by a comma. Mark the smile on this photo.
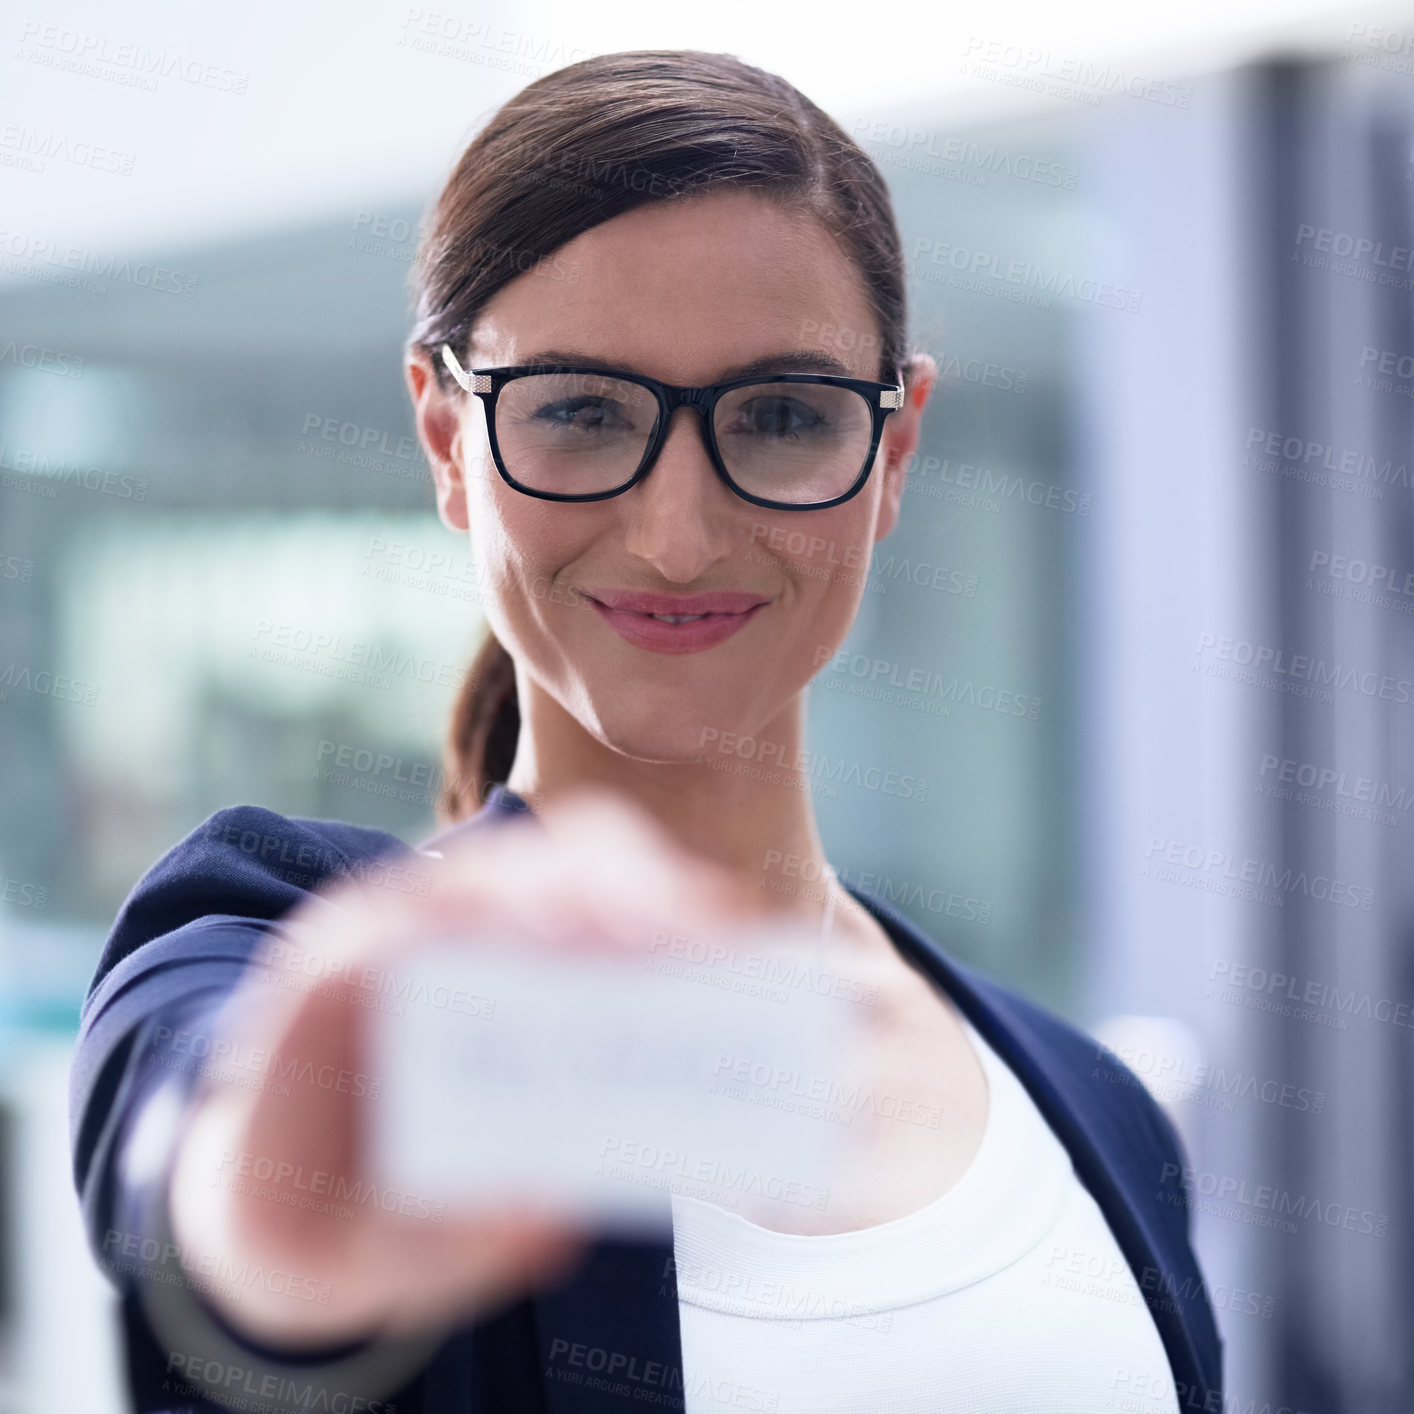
<point>674,633</point>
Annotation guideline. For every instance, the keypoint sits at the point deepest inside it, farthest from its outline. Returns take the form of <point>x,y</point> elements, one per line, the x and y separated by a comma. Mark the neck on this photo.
<point>746,811</point>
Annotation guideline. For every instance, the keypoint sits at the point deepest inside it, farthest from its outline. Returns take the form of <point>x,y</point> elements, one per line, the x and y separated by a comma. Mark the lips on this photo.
<point>639,602</point>
<point>630,614</point>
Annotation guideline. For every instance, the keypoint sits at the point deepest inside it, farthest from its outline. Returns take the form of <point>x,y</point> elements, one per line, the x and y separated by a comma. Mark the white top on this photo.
<point>1006,1295</point>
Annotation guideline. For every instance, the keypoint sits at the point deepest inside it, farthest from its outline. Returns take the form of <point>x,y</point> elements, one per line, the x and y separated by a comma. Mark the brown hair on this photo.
<point>576,148</point>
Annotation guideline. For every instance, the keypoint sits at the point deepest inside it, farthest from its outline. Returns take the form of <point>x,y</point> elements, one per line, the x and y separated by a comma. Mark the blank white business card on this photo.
<point>597,1085</point>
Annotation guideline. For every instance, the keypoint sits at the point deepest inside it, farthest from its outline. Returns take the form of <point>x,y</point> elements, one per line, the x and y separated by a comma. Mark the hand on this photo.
<point>257,1172</point>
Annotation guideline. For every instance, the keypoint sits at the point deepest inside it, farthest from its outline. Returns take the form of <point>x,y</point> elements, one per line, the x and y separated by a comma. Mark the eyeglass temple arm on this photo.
<point>888,398</point>
<point>471,382</point>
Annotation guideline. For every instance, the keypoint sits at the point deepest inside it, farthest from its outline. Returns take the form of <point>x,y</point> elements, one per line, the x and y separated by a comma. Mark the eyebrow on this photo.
<point>791,361</point>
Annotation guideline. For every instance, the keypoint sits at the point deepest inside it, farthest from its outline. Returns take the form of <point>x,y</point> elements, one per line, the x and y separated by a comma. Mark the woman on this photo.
<point>629,233</point>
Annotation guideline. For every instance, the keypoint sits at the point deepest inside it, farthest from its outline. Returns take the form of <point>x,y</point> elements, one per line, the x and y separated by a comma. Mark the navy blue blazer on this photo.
<point>183,937</point>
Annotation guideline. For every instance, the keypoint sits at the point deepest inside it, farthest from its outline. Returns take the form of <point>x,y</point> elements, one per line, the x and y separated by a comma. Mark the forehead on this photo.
<point>684,289</point>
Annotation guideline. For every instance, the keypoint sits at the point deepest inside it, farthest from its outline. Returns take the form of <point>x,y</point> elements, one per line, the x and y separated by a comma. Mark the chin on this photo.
<point>666,733</point>
<point>659,744</point>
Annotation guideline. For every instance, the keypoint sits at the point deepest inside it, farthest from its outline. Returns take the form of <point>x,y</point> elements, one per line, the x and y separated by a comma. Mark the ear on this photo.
<point>899,441</point>
<point>438,418</point>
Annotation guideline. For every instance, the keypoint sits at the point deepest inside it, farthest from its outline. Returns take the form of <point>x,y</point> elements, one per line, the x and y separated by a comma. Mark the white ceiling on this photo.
<point>341,113</point>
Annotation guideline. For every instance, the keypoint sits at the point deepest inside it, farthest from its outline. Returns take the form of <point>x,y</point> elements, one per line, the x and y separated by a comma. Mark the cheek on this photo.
<point>511,532</point>
<point>826,583</point>
<point>525,551</point>
<point>829,562</point>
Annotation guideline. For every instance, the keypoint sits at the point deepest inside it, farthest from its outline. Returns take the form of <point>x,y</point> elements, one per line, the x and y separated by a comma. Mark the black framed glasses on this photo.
<point>791,442</point>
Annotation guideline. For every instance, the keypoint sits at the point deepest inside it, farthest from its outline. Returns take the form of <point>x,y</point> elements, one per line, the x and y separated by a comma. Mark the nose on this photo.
<point>680,513</point>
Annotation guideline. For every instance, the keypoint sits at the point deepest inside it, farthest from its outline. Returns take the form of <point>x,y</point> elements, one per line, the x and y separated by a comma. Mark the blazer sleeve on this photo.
<point>178,946</point>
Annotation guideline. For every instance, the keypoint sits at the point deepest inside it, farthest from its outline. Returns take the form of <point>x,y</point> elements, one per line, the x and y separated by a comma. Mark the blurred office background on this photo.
<point>1164,494</point>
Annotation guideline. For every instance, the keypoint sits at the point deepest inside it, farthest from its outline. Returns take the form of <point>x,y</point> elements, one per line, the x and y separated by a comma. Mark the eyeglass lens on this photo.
<point>581,434</point>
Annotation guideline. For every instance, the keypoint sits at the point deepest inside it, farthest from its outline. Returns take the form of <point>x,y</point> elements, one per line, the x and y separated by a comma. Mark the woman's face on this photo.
<point>683,292</point>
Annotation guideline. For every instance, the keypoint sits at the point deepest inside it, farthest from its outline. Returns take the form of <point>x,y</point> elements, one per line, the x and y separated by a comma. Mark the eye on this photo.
<point>584,414</point>
<point>775,415</point>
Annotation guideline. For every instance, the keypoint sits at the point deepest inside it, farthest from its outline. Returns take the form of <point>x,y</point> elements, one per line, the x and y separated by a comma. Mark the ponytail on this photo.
<point>482,736</point>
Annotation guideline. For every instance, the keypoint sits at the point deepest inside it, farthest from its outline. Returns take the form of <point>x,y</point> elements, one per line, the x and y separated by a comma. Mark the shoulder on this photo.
<point>242,867</point>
